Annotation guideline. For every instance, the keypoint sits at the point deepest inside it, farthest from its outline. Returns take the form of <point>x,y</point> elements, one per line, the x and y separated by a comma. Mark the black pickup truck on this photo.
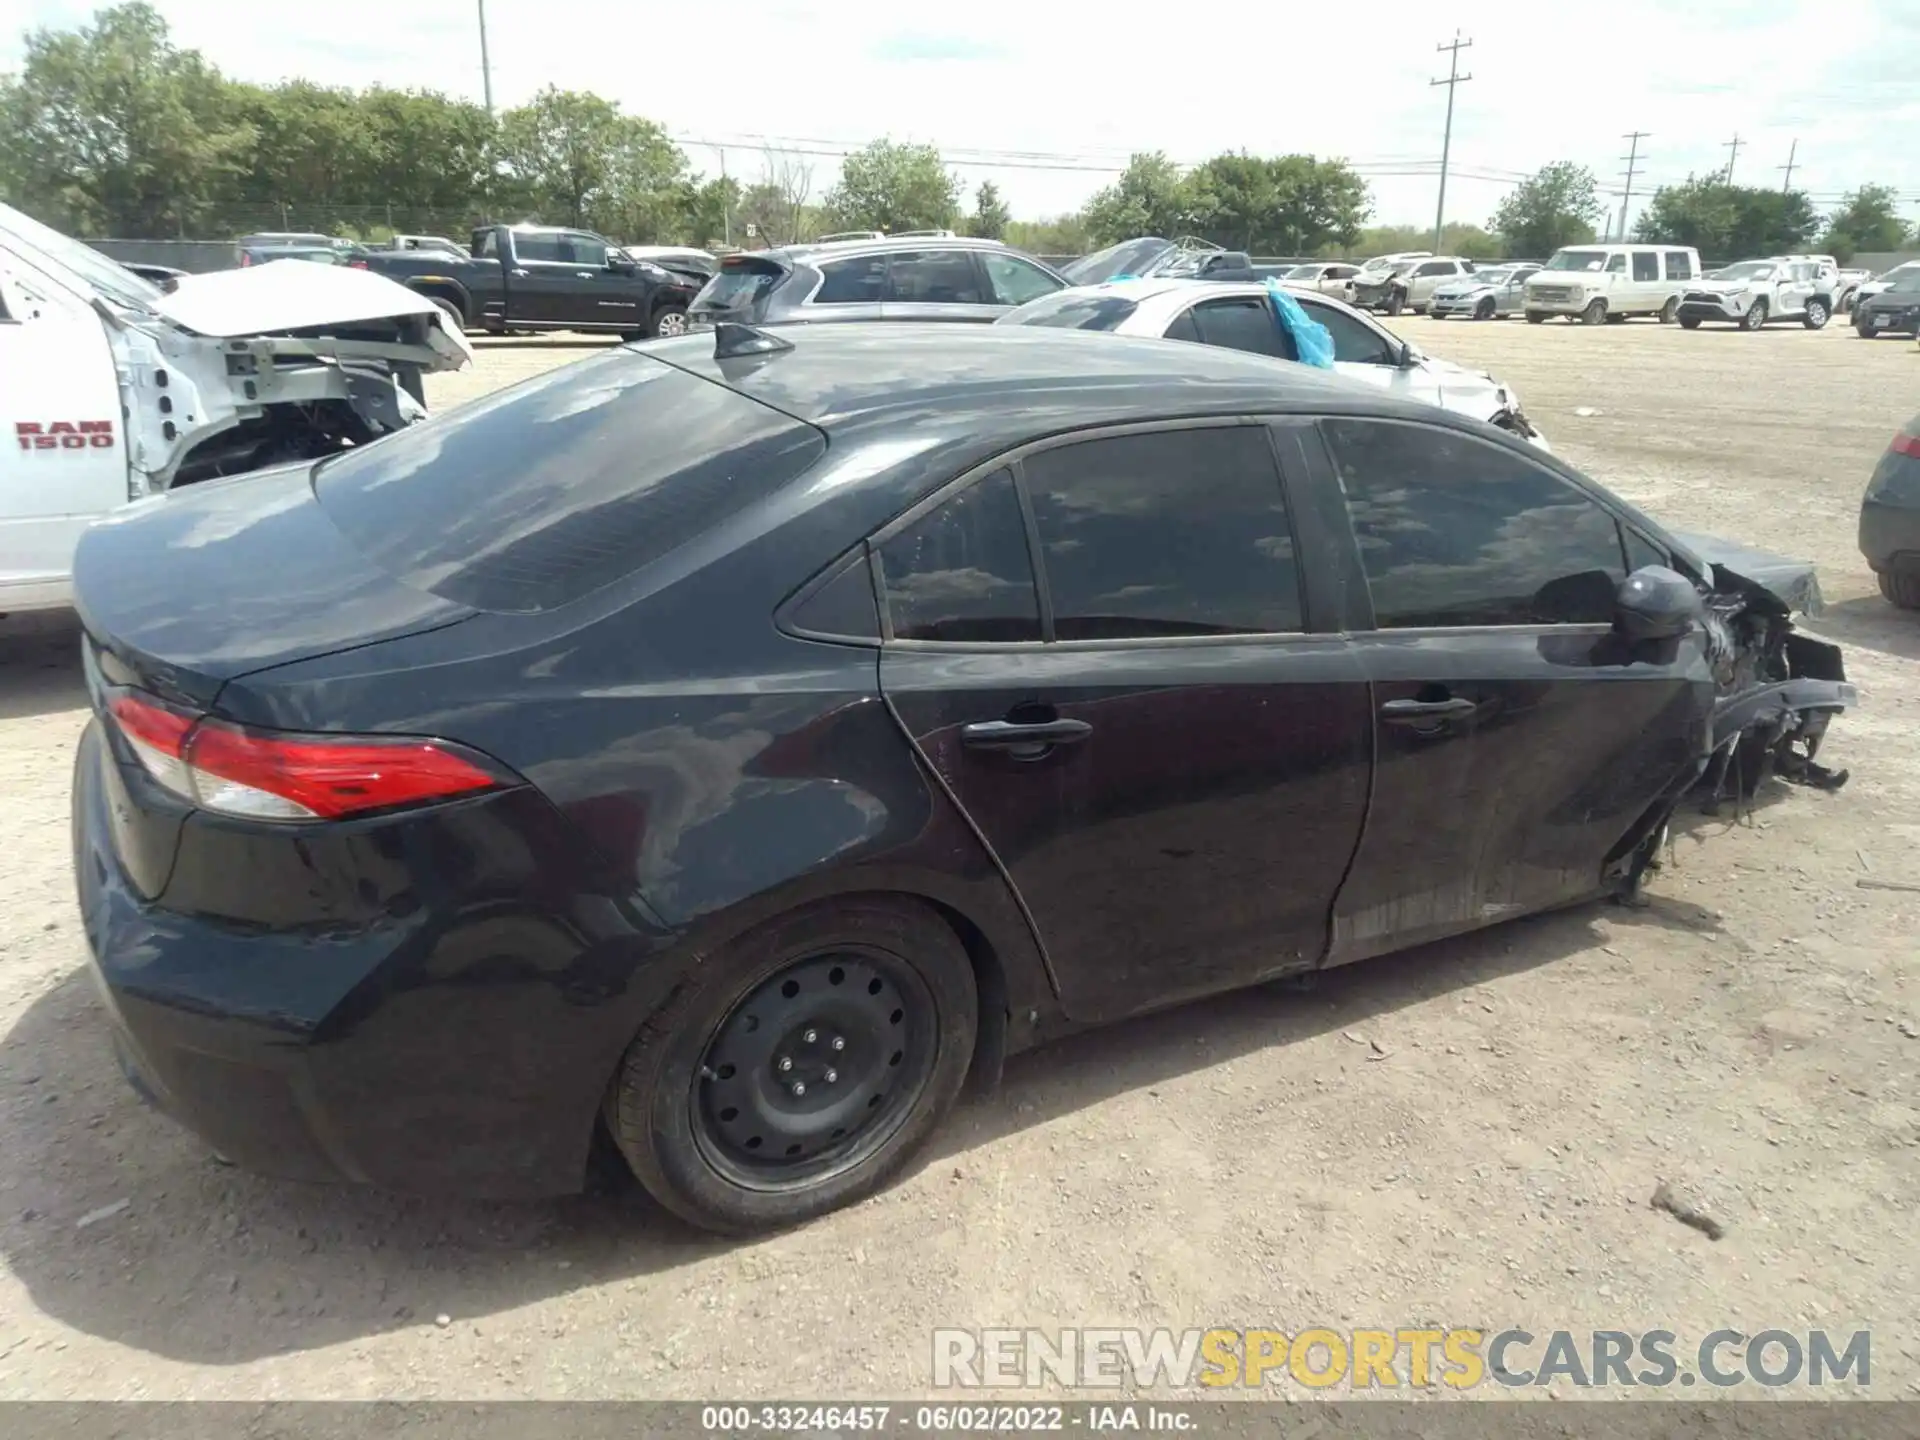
<point>532,277</point>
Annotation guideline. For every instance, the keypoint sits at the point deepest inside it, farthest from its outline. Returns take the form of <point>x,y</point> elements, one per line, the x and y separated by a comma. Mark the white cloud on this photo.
<point>1067,86</point>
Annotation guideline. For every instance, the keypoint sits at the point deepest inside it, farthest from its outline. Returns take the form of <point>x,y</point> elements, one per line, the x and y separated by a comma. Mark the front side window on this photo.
<point>1243,323</point>
<point>1016,281</point>
<point>1577,260</point>
<point>541,249</point>
<point>1679,265</point>
<point>1354,341</point>
<point>587,250</point>
<point>489,247</point>
<point>933,277</point>
<point>858,281</point>
<point>1180,532</point>
<point>1616,264</point>
<point>961,573</point>
<point>1646,265</point>
<point>1454,531</point>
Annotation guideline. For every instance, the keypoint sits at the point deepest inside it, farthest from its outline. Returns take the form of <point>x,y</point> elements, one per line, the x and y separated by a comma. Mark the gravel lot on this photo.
<point>1753,1037</point>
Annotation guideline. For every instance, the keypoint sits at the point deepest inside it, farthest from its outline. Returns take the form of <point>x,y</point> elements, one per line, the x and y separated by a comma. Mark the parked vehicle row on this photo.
<point>1490,292</point>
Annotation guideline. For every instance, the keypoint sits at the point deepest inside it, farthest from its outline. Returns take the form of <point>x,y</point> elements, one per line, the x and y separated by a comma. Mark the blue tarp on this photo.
<point>1312,341</point>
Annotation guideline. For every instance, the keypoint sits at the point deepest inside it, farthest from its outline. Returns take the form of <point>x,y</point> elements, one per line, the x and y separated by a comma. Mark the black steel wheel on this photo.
<point>798,1067</point>
<point>1486,309</point>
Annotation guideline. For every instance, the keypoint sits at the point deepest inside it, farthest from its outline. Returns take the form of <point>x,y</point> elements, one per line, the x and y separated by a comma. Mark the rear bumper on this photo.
<point>420,1003</point>
<point>1890,537</point>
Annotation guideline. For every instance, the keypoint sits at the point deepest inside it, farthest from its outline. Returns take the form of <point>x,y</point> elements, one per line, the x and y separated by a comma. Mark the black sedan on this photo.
<point>1894,311</point>
<point>1890,519</point>
<point>737,742</point>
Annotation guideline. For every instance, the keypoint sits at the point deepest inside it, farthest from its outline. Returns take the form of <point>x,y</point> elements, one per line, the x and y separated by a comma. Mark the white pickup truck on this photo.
<point>113,390</point>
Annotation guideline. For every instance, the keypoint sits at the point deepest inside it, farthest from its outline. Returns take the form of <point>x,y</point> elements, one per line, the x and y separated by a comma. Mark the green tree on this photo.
<point>575,159</point>
<point>990,213</point>
<point>1287,204</point>
<point>1866,220</point>
<point>1055,235</point>
<point>1728,222</point>
<point>1151,197</point>
<point>1557,205</point>
<point>111,129</point>
<point>711,210</point>
<point>889,186</point>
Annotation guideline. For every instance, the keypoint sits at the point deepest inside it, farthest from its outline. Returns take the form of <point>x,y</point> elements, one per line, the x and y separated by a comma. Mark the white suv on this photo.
<point>1752,292</point>
<point>1597,283</point>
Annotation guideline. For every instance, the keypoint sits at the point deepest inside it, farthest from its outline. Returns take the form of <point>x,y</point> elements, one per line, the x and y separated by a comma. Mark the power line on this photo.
<point>1794,149</point>
<point>1732,145</point>
<point>1632,157</point>
<point>1453,82</point>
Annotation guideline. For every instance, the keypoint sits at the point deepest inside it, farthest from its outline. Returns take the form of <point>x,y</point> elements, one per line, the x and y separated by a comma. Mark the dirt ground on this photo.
<point>1467,1135</point>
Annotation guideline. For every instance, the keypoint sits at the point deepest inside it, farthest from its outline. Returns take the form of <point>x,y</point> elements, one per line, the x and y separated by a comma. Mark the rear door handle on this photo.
<point>1006,734</point>
<point>1418,712</point>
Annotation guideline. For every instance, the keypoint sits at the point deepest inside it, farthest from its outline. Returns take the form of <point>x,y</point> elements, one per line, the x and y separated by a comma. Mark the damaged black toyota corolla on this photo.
<point>731,744</point>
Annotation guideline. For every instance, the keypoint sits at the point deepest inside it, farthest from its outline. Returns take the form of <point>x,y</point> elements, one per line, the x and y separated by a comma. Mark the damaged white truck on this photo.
<point>113,390</point>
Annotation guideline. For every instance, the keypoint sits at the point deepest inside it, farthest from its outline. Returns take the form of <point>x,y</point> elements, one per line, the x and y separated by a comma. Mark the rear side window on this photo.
<point>1183,532</point>
<point>1074,310</point>
<point>1015,281</point>
<point>541,494</point>
<point>1646,265</point>
<point>1454,531</point>
<point>1679,265</point>
<point>1244,323</point>
<point>934,277</point>
<point>858,281</point>
<point>962,573</point>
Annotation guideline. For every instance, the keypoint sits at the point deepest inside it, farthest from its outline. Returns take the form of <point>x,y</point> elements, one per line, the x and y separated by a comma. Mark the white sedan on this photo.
<point>1241,316</point>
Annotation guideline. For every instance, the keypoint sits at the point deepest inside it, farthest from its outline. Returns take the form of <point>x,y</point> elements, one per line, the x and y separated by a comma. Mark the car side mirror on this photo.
<point>619,264</point>
<point>1406,357</point>
<point>1655,603</point>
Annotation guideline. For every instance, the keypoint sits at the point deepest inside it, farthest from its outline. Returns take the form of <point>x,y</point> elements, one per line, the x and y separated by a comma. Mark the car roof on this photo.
<point>804,249</point>
<point>992,385</point>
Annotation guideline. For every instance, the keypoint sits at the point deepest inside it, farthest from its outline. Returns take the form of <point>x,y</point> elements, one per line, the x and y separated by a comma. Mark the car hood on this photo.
<point>1721,287</point>
<point>1463,287</point>
<point>1793,581</point>
<point>285,295</point>
<point>1887,299</point>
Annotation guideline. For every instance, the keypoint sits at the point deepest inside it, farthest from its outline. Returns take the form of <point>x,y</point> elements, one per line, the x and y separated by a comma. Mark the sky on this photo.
<point>1047,100</point>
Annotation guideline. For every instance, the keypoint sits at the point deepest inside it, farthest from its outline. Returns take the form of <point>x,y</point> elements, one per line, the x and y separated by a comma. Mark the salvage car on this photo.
<point>1751,293</point>
<point>1890,519</point>
<point>1891,310</point>
<point>729,745</point>
<point>532,278</point>
<point>1490,292</point>
<point>894,278</point>
<point>1241,316</point>
<point>1409,284</point>
<point>1329,277</point>
<point>116,390</point>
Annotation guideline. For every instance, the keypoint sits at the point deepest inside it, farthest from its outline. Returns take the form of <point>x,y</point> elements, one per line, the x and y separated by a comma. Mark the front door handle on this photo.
<point>1424,712</point>
<point>1008,734</point>
<point>520,272</point>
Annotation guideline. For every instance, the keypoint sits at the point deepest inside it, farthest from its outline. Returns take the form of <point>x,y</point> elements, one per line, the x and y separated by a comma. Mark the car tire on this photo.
<point>1486,309</point>
<point>1396,302</point>
<point>669,321</point>
<point>1594,314</point>
<point>1689,322</point>
<point>1864,331</point>
<point>1669,311</point>
<point>1536,317</point>
<point>451,311</point>
<point>1902,588</point>
<point>1755,318</point>
<point>1816,316</point>
<point>860,975</point>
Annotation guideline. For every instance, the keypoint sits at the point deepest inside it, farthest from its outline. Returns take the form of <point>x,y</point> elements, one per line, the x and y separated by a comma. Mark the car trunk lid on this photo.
<point>739,289</point>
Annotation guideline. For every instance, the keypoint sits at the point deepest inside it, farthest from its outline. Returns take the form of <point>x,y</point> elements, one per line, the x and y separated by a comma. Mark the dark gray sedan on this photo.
<point>1890,518</point>
<point>1894,311</point>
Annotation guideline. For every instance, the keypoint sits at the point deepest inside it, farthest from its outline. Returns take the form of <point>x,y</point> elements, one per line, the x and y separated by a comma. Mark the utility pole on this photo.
<point>486,69</point>
<point>1453,81</point>
<point>726,202</point>
<point>1733,146</point>
<point>1632,157</point>
<point>1786,185</point>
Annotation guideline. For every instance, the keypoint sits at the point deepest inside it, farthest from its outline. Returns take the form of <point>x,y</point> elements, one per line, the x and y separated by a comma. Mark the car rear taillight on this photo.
<point>245,258</point>
<point>356,264</point>
<point>270,775</point>
<point>1906,443</point>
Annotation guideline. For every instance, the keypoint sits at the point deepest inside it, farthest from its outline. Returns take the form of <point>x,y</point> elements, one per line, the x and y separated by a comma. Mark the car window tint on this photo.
<point>1183,532</point>
<point>933,277</point>
<point>1183,328</point>
<point>540,494</point>
<point>962,572</point>
<point>1436,267</point>
<point>858,281</point>
<point>844,605</point>
<point>1679,265</point>
<point>1646,265</point>
<point>1016,281</point>
<point>1243,323</point>
<point>1456,531</point>
<point>1642,552</point>
<point>587,250</point>
<point>1354,341</point>
<point>539,248</point>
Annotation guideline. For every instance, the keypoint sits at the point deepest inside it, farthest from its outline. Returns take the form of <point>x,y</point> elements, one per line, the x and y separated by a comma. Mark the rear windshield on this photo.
<point>738,284</point>
<point>541,494</point>
<point>1070,310</point>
